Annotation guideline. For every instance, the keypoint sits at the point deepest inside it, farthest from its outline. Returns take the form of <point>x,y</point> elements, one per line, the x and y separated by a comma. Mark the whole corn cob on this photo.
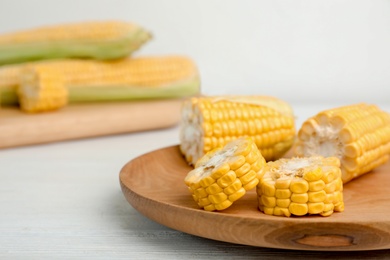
<point>300,186</point>
<point>210,122</point>
<point>359,135</point>
<point>98,40</point>
<point>223,175</point>
<point>93,81</point>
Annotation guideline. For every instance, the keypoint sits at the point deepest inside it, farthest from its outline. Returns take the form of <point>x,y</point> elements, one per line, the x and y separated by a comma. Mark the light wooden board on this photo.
<point>85,120</point>
<point>154,184</point>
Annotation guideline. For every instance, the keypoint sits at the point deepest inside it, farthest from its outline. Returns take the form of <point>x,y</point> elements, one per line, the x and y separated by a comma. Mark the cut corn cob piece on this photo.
<point>45,88</point>
<point>359,135</point>
<point>98,40</point>
<point>223,175</point>
<point>301,186</point>
<point>210,122</point>
<point>125,79</point>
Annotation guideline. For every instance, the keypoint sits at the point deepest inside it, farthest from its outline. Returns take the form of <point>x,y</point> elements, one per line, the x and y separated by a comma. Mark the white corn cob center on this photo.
<point>326,141</point>
<point>191,133</point>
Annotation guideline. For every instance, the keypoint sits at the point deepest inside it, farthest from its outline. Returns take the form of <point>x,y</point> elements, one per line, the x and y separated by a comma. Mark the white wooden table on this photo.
<point>63,201</point>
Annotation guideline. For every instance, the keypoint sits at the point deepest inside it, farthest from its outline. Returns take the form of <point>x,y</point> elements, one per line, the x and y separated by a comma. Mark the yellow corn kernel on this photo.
<point>267,120</point>
<point>329,176</point>
<point>358,135</point>
<point>232,188</point>
<point>269,202</point>
<point>244,169</point>
<point>238,162</point>
<point>281,211</point>
<point>227,179</point>
<point>330,187</point>
<point>282,183</point>
<point>251,184</point>
<point>317,196</point>
<point>298,187</point>
<point>268,211</point>
<point>328,207</point>
<point>194,185</point>
<point>210,207</point>
<point>202,202</point>
<point>326,213</point>
<point>220,171</point>
<point>330,198</point>
<point>268,189</point>
<point>298,209</point>
<point>217,198</point>
<point>213,189</point>
<point>315,207</point>
<point>316,185</point>
<point>300,197</point>
<point>200,193</point>
<point>283,203</point>
<point>214,179</point>
<point>283,193</point>
<point>223,205</point>
<point>248,177</point>
<point>237,195</point>
<point>207,181</point>
<point>314,175</point>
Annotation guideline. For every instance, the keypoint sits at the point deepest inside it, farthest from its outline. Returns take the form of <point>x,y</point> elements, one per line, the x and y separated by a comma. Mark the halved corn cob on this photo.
<point>223,175</point>
<point>45,89</point>
<point>98,40</point>
<point>300,186</point>
<point>210,122</point>
<point>125,79</point>
<point>359,135</point>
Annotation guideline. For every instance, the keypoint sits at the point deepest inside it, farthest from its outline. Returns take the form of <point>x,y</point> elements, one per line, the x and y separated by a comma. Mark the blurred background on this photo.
<point>300,51</point>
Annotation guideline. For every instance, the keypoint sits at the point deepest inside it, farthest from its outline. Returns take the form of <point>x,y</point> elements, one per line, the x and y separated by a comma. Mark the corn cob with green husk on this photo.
<point>97,40</point>
<point>74,81</point>
<point>359,135</point>
<point>301,186</point>
<point>9,80</point>
<point>211,122</point>
<point>224,175</point>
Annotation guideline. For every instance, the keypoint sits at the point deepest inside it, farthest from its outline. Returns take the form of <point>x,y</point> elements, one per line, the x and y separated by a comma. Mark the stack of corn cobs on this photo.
<point>46,68</point>
<point>235,144</point>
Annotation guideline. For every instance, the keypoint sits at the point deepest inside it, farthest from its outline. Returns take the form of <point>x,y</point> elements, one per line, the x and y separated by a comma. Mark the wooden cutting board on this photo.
<point>85,120</point>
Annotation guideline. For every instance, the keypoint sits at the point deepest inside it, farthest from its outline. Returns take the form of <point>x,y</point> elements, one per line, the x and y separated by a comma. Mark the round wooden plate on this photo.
<point>154,185</point>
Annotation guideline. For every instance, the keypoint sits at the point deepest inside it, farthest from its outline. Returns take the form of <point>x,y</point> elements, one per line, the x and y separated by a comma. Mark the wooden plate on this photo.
<point>154,185</point>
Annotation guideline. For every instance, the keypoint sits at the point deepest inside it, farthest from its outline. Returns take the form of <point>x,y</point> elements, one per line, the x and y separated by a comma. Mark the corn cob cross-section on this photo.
<point>223,175</point>
<point>210,122</point>
<point>300,186</point>
<point>94,81</point>
<point>359,135</point>
<point>98,40</point>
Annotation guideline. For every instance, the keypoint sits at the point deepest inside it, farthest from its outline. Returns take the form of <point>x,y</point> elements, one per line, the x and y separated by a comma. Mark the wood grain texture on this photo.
<point>85,120</point>
<point>154,185</point>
